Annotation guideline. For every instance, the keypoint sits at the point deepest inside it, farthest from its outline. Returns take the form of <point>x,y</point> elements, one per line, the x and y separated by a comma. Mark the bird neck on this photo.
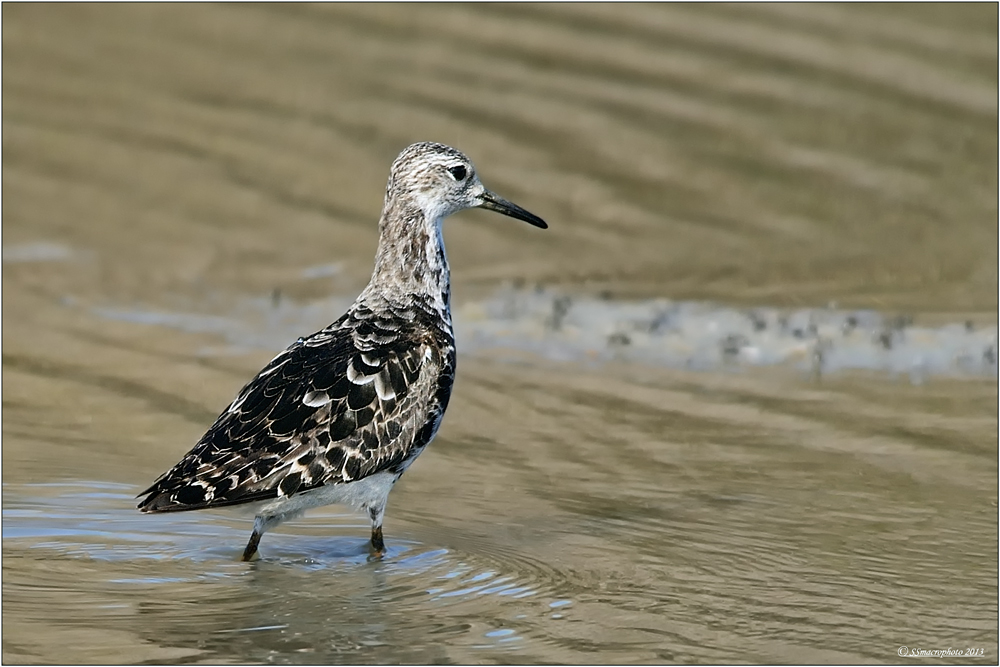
<point>411,260</point>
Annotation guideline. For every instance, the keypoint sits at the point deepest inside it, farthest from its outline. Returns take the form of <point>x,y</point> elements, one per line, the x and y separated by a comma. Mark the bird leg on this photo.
<point>251,549</point>
<point>378,546</point>
<point>260,525</point>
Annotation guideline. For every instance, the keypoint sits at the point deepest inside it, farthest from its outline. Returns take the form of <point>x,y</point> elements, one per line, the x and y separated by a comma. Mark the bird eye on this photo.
<point>458,172</point>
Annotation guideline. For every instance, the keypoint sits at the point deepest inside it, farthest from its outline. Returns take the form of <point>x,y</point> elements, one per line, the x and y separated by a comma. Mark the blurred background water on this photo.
<point>738,403</point>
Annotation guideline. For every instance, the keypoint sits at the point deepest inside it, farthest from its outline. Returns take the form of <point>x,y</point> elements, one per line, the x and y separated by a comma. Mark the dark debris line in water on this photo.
<point>673,334</point>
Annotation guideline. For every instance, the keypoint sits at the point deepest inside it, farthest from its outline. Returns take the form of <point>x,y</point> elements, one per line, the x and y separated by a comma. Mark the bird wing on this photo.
<point>347,402</point>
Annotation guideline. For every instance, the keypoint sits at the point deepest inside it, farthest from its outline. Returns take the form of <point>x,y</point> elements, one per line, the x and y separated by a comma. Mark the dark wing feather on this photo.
<point>362,396</point>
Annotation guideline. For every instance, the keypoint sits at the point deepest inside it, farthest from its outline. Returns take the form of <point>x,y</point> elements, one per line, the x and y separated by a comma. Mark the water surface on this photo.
<point>737,404</point>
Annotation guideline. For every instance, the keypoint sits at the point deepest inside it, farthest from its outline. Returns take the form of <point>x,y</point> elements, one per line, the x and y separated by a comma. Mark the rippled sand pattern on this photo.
<point>187,188</point>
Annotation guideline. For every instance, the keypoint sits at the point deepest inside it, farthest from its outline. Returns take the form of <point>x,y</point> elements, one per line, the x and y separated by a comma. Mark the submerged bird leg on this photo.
<point>260,526</point>
<point>251,549</point>
<point>378,546</point>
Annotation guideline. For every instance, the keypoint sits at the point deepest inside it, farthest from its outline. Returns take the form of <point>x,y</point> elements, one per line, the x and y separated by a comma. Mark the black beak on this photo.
<point>501,205</point>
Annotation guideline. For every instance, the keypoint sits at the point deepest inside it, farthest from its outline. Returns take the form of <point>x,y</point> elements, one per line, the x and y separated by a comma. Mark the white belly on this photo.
<point>364,494</point>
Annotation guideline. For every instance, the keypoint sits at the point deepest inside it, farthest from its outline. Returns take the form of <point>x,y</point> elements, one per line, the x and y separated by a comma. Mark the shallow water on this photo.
<point>738,403</point>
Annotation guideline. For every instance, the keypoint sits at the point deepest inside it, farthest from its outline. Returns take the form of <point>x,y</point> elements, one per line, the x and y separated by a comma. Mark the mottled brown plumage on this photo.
<point>341,414</point>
